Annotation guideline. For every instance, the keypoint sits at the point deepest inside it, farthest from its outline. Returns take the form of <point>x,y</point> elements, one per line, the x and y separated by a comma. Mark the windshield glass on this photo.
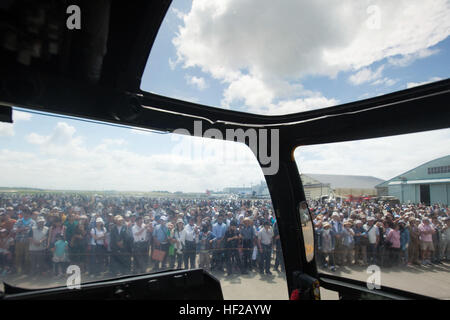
<point>110,201</point>
<point>380,210</point>
<point>281,57</point>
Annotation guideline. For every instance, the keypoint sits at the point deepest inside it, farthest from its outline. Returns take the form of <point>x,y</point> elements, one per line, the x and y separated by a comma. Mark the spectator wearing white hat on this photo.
<point>121,240</point>
<point>348,243</point>
<point>360,243</point>
<point>161,242</point>
<point>414,243</point>
<point>38,245</point>
<point>373,236</point>
<point>140,245</point>
<point>338,228</point>
<point>60,255</point>
<point>190,238</point>
<point>326,245</point>
<point>98,248</point>
<point>178,234</point>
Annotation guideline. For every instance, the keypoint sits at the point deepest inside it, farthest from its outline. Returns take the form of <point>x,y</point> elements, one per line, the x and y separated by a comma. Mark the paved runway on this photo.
<point>431,281</point>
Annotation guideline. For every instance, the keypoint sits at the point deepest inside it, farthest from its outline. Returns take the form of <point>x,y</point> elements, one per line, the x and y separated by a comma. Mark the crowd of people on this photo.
<point>383,234</point>
<point>42,234</point>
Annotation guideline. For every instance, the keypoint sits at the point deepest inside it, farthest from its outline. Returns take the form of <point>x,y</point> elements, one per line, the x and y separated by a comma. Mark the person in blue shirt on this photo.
<point>360,242</point>
<point>206,238</point>
<point>219,229</point>
<point>161,242</point>
<point>404,241</point>
<point>338,228</point>
<point>248,234</point>
<point>60,255</point>
<point>22,230</point>
<point>326,245</point>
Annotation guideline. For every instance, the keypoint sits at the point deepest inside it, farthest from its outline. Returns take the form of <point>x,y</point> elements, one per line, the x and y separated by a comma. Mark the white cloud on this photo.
<point>261,43</point>
<point>298,105</point>
<point>273,97</point>
<point>365,75</point>
<point>254,91</point>
<point>112,142</point>
<point>197,82</point>
<point>385,81</point>
<point>63,161</point>
<point>383,158</point>
<point>6,129</point>
<point>374,77</point>
<point>179,14</point>
<point>416,84</point>
<point>60,142</point>
<point>21,116</point>
<point>407,59</point>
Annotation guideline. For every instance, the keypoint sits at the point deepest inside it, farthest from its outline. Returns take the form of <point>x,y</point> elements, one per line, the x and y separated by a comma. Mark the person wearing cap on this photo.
<point>205,239</point>
<point>10,212</point>
<point>6,244</point>
<point>79,244</point>
<point>70,224</point>
<point>437,237</point>
<point>190,240</point>
<point>98,248</point>
<point>60,256</point>
<point>178,233</point>
<point>348,243</point>
<point>219,229</point>
<point>326,245</point>
<point>121,243</point>
<point>38,246</point>
<point>360,243</point>
<point>57,227</point>
<point>393,237</point>
<point>127,221</point>
<point>445,240</point>
<point>426,240</point>
<point>373,236</point>
<point>265,242</point>
<point>231,240</point>
<point>140,246</point>
<point>248,235</point>
<point>161,242</point>
<point>338,228</point>
<point>404,242</point>
<point>414,241</point>
<point>22,229</point>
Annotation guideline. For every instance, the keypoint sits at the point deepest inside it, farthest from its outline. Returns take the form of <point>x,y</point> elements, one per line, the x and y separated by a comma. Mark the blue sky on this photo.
<point>254,56</point>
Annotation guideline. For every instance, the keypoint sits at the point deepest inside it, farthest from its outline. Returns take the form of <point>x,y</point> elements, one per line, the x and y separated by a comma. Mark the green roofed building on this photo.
<point>428,183</point>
